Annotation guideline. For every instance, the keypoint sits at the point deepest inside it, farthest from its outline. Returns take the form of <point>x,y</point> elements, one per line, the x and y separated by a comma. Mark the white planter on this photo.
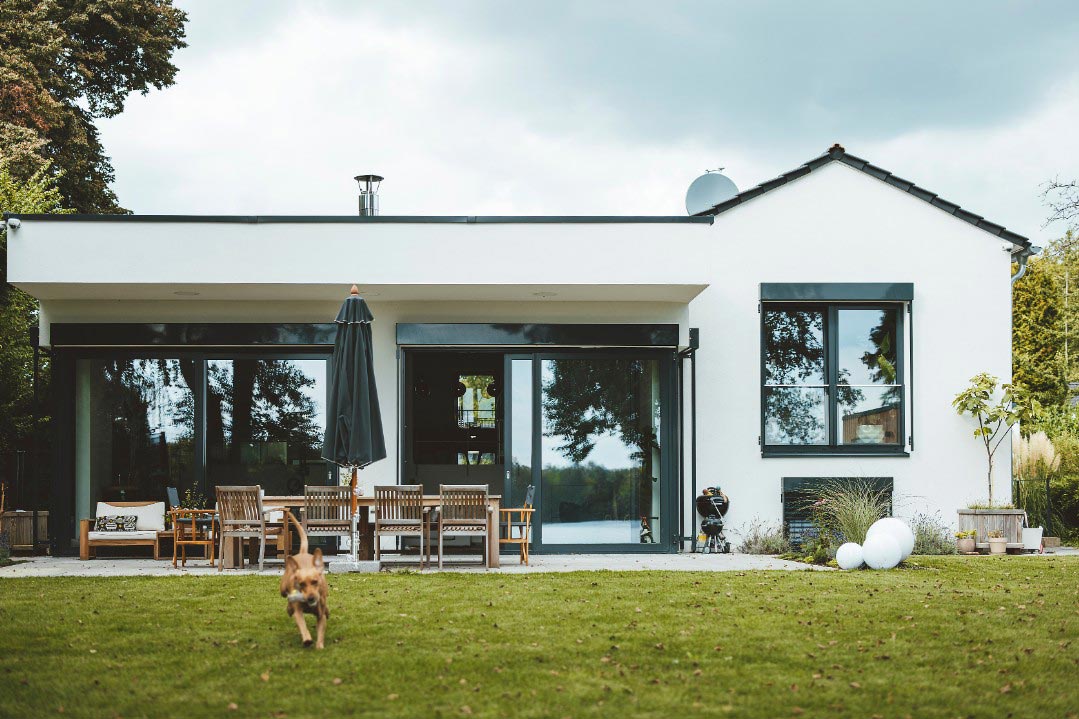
<point>998,545</point>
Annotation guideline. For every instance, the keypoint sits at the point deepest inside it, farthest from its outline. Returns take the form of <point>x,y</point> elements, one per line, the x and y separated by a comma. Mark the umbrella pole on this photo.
<point>354,549</point>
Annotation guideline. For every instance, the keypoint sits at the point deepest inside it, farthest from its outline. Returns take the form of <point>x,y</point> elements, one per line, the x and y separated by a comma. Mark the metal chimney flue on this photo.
<point>368,194</point>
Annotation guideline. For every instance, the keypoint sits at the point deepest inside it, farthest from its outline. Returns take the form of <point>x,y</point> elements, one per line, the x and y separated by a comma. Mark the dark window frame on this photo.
<point>834,448</point>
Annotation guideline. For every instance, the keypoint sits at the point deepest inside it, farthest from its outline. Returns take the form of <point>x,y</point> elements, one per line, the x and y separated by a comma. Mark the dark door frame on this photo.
<point>669,539</point>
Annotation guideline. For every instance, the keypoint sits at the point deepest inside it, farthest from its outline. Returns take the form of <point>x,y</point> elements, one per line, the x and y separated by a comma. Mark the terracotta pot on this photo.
<point>965,545</point>
<point>998,545</point>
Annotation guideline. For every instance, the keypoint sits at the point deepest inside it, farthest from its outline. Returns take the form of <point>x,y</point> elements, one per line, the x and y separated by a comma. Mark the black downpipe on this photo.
<point>691,353</point>
<point>693,438</point>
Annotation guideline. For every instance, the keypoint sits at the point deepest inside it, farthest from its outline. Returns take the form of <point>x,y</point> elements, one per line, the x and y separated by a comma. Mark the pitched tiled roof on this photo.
<point>836,153</point>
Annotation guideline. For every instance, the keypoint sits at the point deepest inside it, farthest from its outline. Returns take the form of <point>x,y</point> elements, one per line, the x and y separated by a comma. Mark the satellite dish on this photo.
<point>707,191</point>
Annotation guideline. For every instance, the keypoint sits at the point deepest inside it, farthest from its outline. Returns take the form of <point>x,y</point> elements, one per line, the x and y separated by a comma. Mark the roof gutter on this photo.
<point>1022,258</point>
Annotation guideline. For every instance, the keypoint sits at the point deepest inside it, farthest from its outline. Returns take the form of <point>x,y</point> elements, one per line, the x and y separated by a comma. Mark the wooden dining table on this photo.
<point>233,554</point>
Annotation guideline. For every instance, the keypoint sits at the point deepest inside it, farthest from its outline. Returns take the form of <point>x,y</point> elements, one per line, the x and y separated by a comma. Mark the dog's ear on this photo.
<point>290,564</point>
<point>317,557</point>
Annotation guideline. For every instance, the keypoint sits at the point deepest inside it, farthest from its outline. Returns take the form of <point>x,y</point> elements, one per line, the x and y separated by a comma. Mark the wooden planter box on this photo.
<point>18,524</point>
<point>983,521</point>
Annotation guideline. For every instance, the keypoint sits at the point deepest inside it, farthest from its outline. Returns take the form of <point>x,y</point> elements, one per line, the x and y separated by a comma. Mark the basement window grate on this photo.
<point>800,492</point>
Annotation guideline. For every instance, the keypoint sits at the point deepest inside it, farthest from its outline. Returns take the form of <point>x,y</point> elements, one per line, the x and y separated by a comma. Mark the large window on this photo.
<point>135,429</point>
<point>600,477</point>
<point>265,420</point>
<point>832,378</point>
<point>143,424</point>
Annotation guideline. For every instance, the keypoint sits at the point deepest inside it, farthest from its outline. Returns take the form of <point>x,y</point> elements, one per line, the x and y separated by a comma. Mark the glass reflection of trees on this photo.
<point>142,410</point>
<point>865,379</point>
<point>262,424</point>
<point>795,398</point>
<point>868,393</point>
<point>584,399</point>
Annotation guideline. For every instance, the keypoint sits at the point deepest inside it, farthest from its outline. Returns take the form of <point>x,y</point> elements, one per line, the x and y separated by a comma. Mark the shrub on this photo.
<point>763,538</point>
<point>846,508</point>
<point>931,535</point>
<point>1056,422</point>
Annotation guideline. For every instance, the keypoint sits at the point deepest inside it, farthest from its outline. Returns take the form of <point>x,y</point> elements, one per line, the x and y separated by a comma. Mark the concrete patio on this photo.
<point>135,567</point>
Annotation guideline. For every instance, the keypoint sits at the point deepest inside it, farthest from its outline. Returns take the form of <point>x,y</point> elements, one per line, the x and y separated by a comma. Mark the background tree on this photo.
<point>1062,197</point>
<point>1037,334</point>
<point>18,311</point>
<point>65,64</point>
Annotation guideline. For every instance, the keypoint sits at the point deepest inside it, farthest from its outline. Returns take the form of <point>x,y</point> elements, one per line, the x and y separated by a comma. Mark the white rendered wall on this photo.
<point>833,225</point>
<point>839,225</point>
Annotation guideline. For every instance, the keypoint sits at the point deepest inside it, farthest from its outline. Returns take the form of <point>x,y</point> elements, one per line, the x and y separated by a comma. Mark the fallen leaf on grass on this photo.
<point>855,685</point>
<point>337,681</point>
<point>1006,688</point>
<point>265,676</point>
<point>233,706</point>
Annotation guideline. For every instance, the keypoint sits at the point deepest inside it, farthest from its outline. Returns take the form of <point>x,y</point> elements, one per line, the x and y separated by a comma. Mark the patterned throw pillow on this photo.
<point>116,523</point>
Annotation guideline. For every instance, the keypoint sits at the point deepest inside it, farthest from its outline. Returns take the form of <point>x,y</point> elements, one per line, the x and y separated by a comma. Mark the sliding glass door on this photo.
<point>590,432</point>
<point>145,422</point>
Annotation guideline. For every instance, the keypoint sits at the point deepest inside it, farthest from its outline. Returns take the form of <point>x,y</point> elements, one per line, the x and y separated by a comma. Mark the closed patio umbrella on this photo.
<point>353,422</point>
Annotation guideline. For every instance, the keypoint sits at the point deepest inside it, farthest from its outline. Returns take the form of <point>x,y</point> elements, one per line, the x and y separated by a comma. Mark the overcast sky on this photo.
<point>598,107</point>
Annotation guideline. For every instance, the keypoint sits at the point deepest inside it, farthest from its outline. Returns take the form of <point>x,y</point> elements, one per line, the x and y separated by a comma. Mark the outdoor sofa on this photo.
<point>149,521</point>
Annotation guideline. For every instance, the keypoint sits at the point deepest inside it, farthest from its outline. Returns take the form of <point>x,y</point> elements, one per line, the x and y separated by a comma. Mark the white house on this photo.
<point>832,307</point>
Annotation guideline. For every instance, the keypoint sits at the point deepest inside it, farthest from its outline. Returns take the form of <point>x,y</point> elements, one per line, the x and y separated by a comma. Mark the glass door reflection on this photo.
<point>600,451</point>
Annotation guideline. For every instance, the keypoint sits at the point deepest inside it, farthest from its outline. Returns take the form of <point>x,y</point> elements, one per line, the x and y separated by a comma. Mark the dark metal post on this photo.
<point>1048,508</point>
<point>35,342</point>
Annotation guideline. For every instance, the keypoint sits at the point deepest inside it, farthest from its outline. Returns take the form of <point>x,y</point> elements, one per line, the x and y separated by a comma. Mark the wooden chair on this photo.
<point>327,511</point>
<point>190,528</point>
<point>462,511</point>
<point>519,518</point>
<point>399,512</point>
<point>243,518</point>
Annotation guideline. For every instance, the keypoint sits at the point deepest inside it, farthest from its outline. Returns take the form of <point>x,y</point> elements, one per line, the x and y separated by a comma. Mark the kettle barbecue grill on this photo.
<point>712,505</point>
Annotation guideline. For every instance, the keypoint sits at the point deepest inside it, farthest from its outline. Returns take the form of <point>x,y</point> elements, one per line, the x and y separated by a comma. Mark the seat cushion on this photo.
<point>461,528</point>
<point>400,528</point>
<point>123,536</point>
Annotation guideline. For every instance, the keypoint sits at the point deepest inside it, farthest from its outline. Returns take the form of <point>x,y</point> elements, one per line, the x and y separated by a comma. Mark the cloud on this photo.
<point>562,108</point>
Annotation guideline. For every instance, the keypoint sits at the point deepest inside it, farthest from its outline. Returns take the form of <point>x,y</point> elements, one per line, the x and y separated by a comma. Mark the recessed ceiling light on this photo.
<point>544,294</point>
<point>186,293</point>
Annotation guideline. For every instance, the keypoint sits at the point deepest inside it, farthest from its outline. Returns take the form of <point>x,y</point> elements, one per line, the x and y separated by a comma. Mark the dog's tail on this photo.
<point>300,531</point>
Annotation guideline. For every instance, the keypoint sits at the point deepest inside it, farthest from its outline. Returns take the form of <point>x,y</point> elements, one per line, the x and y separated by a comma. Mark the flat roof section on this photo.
<point>379,219</point>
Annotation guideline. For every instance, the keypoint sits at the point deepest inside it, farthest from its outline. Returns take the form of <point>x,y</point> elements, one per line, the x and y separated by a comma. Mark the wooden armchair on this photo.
<point>520,519</point>
<point>243,518</point>
<point>327,511</point>
<point>462,511</point>
<point>399,512</point>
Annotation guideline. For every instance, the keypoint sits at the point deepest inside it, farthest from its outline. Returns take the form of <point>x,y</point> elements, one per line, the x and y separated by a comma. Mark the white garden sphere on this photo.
<point>881,551</point>
<point>849,556</point>
<point>899,530</point>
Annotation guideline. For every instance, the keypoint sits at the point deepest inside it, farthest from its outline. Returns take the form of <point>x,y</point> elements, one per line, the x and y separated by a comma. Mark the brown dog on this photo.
<point>304,585</point>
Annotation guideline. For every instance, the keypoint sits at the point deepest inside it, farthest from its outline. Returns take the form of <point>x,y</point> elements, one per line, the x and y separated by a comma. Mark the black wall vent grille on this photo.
<point>800,492</point>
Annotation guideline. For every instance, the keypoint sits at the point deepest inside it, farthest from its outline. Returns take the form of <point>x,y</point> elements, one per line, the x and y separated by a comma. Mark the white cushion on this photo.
<point>147,517</point>
<point>148,534</point>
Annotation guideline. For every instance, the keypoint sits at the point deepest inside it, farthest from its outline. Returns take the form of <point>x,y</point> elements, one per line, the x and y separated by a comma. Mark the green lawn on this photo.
<point>961,637</point>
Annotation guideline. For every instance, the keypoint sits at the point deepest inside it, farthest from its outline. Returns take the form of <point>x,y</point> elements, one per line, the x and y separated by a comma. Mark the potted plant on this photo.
<point>998,544</point>
<point>964,541</point>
